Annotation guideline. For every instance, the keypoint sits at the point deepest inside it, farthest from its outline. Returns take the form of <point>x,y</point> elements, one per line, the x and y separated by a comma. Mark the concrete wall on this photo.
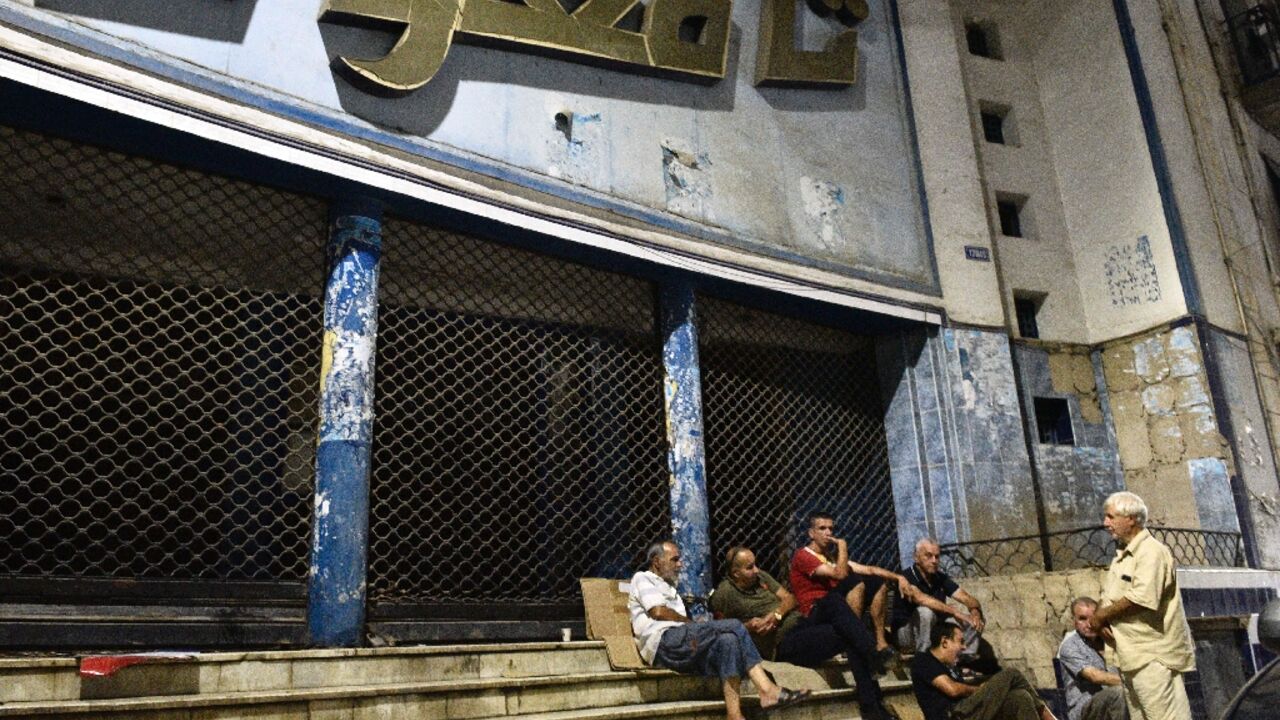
<point>1119,237</point>
<point>1040,261</point>
<point>1074,479</point>
<point>957,453</point>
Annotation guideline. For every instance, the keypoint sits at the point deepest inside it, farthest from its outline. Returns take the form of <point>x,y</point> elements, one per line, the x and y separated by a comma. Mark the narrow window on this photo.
<point>993,128</point>
<point>1026,308</point>
<point>1053,421</point>
<point>1010,210</point>
<point>997,123</point>
<point>982,39</point>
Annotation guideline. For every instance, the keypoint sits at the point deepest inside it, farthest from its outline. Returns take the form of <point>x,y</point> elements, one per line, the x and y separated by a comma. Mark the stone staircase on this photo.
<point>536,681</point>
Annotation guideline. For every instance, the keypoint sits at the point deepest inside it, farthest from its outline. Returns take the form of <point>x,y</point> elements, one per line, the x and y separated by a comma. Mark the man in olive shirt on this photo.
<point>768,611</point>
<point>1142,615</point>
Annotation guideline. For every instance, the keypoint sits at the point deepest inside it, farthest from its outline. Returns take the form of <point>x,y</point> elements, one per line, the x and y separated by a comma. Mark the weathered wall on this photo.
<point>819,178</point>
<point>957,454</point>
<point>1171,449</point>
<point>1027,616</point>
<point>1255,462</point>
<point>1074,479</point>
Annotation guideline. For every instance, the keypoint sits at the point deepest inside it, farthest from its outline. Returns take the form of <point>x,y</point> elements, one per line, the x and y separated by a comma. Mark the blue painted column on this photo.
<point>686,457</point>
<point>336,591</point>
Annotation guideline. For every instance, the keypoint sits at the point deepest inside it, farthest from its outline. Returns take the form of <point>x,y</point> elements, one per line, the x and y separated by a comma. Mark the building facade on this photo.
<point>408,317</point>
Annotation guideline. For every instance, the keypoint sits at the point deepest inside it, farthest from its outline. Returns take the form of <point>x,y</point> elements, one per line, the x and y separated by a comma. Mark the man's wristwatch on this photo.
<point>777,616</point>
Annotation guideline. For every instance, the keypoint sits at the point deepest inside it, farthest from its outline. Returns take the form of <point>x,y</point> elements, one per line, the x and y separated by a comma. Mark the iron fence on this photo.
<point>1255,33</point>
<point>793,424</point>
<point>519,440</point>
<point>1084,548</point>
<point>158,343</point>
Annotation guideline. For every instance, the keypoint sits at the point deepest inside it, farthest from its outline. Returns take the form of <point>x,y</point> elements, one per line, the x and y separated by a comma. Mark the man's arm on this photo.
<point>838,570</point>
<point>1104,616</point>
<point>874,571</point>
<point>662,612</point>
<point>975,608</point>
<point>916,596</point>
<point>1099,676</point>
<point>952,688</point>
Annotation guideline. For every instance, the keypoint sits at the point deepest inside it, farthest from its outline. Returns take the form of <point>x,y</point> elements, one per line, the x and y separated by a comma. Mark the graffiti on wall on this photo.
<point>1131,274</point>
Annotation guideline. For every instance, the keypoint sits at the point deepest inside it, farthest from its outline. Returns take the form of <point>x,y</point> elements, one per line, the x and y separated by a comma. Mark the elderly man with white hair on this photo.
<point>1142,615</point>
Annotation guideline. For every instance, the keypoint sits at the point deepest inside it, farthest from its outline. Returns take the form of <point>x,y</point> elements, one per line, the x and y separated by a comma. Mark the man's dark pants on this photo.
<point>832,628</point>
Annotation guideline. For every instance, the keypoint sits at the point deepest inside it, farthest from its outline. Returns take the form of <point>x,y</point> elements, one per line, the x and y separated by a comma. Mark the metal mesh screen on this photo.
<point>518,440</point>
<point>159,348</point>
<point>793,424</point>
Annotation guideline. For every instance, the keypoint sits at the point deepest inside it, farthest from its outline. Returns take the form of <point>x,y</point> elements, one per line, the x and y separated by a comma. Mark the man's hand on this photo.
<point>964,619</point>
<point>761,625</point>
<point>975,617</point>
<point>1107,636</point>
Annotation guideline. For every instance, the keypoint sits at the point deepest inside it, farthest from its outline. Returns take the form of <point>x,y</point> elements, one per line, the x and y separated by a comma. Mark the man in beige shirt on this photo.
<point>1142,615</point>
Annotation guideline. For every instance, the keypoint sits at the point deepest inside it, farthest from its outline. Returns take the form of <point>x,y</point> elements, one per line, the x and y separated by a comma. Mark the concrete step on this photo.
<point>465,682</point>
<point>596,696</point>
<point>58,679</point>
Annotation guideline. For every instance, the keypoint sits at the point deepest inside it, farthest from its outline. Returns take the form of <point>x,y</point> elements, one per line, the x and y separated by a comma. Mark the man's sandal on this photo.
<point>787,698</point>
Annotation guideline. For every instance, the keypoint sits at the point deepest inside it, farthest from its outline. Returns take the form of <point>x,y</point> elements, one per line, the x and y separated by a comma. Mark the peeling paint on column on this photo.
<point>686,457</point>
<point>685,177</point>
<point>1211,482</point>
<point>336,587</point>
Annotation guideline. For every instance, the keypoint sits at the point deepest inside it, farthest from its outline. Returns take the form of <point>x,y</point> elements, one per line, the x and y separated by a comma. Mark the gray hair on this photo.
<point>925,541</point>
<point>1127,504</point>
<point>1083,600</point>
<point>656,549</point>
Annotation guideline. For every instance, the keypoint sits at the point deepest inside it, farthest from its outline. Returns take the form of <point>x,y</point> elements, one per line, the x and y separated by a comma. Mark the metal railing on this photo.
<point>1084,548</point>
<point>1255,33</point>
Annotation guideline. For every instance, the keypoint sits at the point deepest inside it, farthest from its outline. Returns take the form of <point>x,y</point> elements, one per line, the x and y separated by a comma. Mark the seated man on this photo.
<point>821,582</point>
<point>924,603</point>
<point>942,696</point>
<point>1092,689</point>
<point>769,613</point>
<point>668,638</point>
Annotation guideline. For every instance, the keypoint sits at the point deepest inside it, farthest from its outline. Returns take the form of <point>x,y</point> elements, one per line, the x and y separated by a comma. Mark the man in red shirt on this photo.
<point>835,590</point>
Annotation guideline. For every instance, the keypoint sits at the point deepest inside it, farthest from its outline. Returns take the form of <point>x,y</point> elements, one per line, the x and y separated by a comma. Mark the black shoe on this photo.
<point>880,661</point>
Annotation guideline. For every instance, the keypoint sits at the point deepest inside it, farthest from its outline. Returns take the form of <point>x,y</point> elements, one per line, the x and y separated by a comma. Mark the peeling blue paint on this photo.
<point>336,587</point>
<point>686,457</point>
<point>1215,504</point>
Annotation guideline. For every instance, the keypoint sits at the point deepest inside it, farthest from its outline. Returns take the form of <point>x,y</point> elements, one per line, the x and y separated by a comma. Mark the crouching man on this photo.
<point>942,696</point>
<point>720,648</point>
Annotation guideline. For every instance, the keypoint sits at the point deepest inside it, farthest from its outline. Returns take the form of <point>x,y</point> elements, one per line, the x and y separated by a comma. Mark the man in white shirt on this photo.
<point>668,638</point>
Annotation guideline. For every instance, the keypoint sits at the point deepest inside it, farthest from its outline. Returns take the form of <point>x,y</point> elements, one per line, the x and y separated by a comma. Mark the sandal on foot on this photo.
<point>787,698</point>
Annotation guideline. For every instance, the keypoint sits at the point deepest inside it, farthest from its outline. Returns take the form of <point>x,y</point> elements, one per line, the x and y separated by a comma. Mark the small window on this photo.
<point>997,123</point>
<point>983,40</point>
<point>1026,308</point>
<point>1053,421</point>
<point>1011,210</point>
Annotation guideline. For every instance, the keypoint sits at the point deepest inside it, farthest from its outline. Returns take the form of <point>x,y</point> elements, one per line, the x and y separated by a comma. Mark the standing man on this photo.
<point>924,604</point>
<point>668,638</point>
<point>823,579</point>
<point>1142,614</point>
<point>780,632</point>
<point>1007,695</point>
<point>1093,689</point>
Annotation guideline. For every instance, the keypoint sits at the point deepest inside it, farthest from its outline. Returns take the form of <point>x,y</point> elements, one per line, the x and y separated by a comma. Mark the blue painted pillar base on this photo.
<point>686,457</point>
<point>336,588</point>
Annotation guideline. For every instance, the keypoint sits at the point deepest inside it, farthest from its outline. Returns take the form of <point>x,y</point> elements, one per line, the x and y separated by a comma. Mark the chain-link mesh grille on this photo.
<point>159,335</point>
<point>518,440</point>
<point>793,425</point>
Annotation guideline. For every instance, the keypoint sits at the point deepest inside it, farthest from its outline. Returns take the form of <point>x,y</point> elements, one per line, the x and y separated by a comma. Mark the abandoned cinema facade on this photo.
<point>324,318</point>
